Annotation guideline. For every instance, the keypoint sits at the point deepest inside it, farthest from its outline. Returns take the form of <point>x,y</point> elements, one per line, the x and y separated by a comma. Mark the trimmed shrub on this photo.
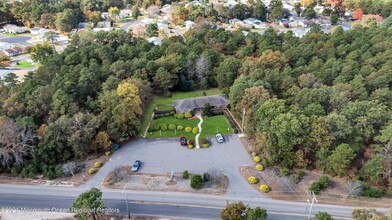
<point>188,129</point>
<point>257,159</point>
<point>196,181</point>
<point>205,145</point>
<point>163,127</point>
<point>321,183</point>
<point>180,127</point>
<point>108,153</point>
<point>371,191</point>
<point>190,146</point>
<point>188,114</point>
<point>252,180</point>
<point>98,164</point>
<point>206,177</point>
<point>180,116</point>
<point>156,128</point>
<point>204,141</point>
<point>259,167</point>
<point>91,171</point>
<point>254,154</point>
<point>185,174</point>
<point>190,142</point>
<point>172,126</point>
<point>264,188</point>
<point>195,130</point>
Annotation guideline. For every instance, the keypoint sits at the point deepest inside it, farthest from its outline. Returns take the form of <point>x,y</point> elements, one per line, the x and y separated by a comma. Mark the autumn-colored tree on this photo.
<point>306,2</point>
<point>273,59</point>
<point>335,2</point>
<point>101,141</point>
<point>358,14</point>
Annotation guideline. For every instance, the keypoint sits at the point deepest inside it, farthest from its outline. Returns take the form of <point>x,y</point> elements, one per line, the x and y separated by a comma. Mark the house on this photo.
<point>195,3</point>
<point>155,40</point>
<point>5,46</point>
<point>105,15</point>
<point>13,29</point>
<point>230,4</point>
<point>13,52</point>
<point>300,32</point>
<point>319,9</point>
<point>234,21</point>
<point>125,13</point>
<point>147,20</point>
<point>189,24</point>
<point>215,101</point>
<point>38,31</point>
<point>304,23</point>
<point>167,9</point>
<point>293,23</point>
<point>103,26</point>
<point>138,29</point>
<point>325,23</point>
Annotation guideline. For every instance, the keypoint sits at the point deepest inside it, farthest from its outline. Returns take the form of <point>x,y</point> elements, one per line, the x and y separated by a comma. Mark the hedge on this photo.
<point>180,116</point>
<point>188,129</point>
<point>195,130</point>
<point>264,188</point>
<point>91,171</point>
<point>172,126</point>
<point>156,127</point>
<point>259,167</point>
<point>190,146</point>
<point>252,180</point>
<point>98,164</point>
<point>185,174</point>
<point>196,181</point>
<point>188,115</point>
<point>180,127</point>
<point>257,159</point>
<point>163,127</point>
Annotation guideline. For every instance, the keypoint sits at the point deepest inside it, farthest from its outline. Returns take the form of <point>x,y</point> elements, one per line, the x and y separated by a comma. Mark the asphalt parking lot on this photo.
<point>163,155</point>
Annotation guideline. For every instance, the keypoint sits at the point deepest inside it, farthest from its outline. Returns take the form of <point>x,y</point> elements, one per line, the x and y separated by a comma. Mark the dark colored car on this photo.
<point>219,138</point>
<point>136,166</point>
<point>183,141</point>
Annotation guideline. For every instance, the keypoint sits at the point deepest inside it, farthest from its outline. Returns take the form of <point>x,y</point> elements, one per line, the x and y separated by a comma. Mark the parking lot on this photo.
<point>163,155</point>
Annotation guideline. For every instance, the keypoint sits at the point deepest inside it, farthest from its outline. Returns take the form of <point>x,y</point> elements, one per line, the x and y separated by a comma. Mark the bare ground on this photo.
<point>161,182</point>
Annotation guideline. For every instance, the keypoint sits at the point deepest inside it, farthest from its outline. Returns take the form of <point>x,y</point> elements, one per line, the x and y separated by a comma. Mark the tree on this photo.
<point>358,14</point>
<point>310,12</point>
<point>202,68</point>
<point>41,52</point>
<point>153,11</point>
<point>340,160</point>
<point>67,20</point>
<point>196,181</point>
<point>135,12</point>
<point>152,30</point>
<point>323,216</point>
<point>334,18</point>
<point>89,203</point>
<point>164,81</point>
<point>69,169</point>
<point>46,20</point>
<point>367,214</point>
<point>373,169</point>
<point>4,60</point>
<point>233,211</point>
<point>207,110</point>
<point>276,13</point>
<point>297,8</point>
<point>113,13</point>
<point>101,141</point>
<point>256,214</point>
<point>94,17</point>
<point>260,11</point>
<point>227,72</point>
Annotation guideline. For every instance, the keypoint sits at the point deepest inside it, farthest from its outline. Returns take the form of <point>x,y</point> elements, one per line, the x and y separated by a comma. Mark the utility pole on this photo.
<point>311,205</point>
<point>243,118</point>
<point>126,200</point>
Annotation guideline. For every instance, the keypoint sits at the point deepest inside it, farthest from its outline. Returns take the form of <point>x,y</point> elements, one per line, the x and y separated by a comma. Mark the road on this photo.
<point>159,203</point>
<point>126,26</point>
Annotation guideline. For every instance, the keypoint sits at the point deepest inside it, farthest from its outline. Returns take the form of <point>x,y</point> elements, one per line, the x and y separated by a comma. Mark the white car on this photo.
<point>219,138</point>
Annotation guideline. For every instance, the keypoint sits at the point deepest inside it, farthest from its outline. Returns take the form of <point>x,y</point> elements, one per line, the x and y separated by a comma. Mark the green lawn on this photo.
<point>215,125</point>
<point>25,64</point>
<point>178,95</point>
<point>169,133</point>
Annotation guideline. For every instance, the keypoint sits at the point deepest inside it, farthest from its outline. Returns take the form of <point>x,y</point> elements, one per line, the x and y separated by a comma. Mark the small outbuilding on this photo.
<point>215,101</point>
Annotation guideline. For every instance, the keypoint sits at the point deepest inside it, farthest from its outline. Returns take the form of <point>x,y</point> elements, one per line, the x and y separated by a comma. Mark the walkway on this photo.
<point>198,115</point>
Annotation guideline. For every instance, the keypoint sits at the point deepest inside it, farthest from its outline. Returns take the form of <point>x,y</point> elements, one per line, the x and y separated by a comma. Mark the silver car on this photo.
<point>136,166</point>
<point>220,138</point>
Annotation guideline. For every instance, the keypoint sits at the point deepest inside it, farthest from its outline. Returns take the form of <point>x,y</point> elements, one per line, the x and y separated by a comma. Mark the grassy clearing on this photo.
<point>171,134</point>
<point>178,95</point>
<point>24,64</point>
<point>215,125</point>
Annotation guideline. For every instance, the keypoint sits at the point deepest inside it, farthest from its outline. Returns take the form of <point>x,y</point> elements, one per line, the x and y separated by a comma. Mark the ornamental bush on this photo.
<point>172,126</point>
<point>252,180</point>
<point>156,127</point>
<point>204,141</point>
<point>257,159</point>
<point>188,114</point>
<point>98,164</point>
<point>185,174</point>
<point>188,129</point>
<point>190,142</point>
<point>264,188</point>
<point>321,183</point>
<point>180,127</point>
<point>196,181</point>
<point>163,127</point>
<point>205,145</point>
<point>259,167</point>
<point>180,116</point>
<point>195,130</point>
<point>91,171</point>
<point>107,153</point>
<point>190,146</point>
<point>206,177</point>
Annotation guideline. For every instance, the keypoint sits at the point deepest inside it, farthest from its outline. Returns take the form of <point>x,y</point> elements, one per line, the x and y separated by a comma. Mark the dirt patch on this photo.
<point>217,185</point>
<point>75,180</point>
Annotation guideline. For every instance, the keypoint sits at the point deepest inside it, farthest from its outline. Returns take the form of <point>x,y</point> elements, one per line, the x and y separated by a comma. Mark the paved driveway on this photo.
<point>163,155</point>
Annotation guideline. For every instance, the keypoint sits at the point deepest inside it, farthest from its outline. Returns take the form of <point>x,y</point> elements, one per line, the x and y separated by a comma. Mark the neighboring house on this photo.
<point>147,20</point>
<point>245,33</point>
<point>163,27</point>
<point>325,23</point>
<point>105,15</point>
<point>255,23</point>
<point>13,52</point>
<point>125,13</point>
<point>85,24</point>
<point>167,9</point>
<point>293,23</point>
<point>103,26</point>
<point>5,46</point>
<point>230,4</point>
<point>38,31</point>
<point>300,32</point>
<point>155,40</point>
<point>304,23</point>
<point>319,9</point>
<point>215,101</point>
<point>139,29</point>
<point>13,29</point>
<point>195,3</point>
<point>189,24</point>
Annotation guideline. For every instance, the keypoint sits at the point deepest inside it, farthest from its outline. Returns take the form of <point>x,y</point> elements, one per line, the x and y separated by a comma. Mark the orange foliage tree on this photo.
<point>358,14</point>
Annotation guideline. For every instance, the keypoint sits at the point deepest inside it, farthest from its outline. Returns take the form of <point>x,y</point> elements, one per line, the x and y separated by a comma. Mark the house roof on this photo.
<point>184,105</point>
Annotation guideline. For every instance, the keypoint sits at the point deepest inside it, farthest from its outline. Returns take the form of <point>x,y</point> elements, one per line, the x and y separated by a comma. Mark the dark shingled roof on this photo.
<point>184,105</point>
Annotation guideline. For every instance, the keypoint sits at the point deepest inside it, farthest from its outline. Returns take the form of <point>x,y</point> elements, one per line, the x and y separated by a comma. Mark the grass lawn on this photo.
<point>175,96</point>
<point>215,125</point>
<point>169,133</point>
<point>25,64</point>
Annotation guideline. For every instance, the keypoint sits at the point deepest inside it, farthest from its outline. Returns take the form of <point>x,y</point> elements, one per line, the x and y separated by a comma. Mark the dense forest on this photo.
<point>322,101</point>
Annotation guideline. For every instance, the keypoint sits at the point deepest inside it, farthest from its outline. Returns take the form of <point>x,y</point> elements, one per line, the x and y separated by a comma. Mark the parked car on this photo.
<point>183,141</point>
<point>136,166</point>
<point>220,138</point>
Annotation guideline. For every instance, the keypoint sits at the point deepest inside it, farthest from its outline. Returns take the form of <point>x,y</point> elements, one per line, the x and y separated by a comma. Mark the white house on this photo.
<point>234,21</point>
<point>155,40</point>
<point>11,28</point>
<point>319,9</point>
<point>189,24</point>
<point>125,13</point>
<point>38,31</point>
<point>166,9</point>
<point>255,23</point>
<point>300,32</point>
<point>5,46</point>
<point>13,52</point>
